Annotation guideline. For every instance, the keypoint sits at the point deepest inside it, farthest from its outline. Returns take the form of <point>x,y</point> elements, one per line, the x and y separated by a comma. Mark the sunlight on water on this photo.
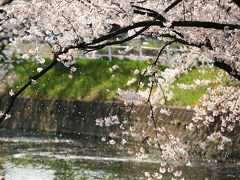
<point>13,172</point>
<point>68,157</point>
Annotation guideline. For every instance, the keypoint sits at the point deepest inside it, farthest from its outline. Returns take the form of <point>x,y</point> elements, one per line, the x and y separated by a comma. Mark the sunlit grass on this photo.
<point>191,97</point>
<point>93,80</point>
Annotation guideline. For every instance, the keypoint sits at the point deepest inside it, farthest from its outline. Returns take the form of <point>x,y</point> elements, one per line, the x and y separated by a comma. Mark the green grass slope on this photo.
<point>93,79</point>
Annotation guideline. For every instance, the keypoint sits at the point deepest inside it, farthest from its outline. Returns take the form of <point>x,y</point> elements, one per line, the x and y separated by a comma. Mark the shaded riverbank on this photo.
<point>78,117</point>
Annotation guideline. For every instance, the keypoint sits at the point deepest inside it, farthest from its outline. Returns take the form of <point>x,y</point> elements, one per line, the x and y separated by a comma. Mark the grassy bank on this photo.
<point>98,80</point>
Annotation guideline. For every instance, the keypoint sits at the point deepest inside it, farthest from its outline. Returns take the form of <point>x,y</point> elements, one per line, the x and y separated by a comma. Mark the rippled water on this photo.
<point>31,156</point>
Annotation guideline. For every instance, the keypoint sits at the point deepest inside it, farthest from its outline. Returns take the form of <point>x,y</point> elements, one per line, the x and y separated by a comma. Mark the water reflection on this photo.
<point>29,156</point>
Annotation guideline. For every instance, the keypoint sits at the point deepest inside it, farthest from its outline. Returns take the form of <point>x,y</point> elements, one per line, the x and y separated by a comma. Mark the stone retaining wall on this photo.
<point>74,116</point>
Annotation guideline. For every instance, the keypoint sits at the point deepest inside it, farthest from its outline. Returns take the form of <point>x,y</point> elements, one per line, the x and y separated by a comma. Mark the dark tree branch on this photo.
<point>149,12</point>
<point>161,51</point>
<point>126,29</point>
<point>227,68</point>
<point>176,2</point>
<point>200,45</point>
<point>178,33</point>
<point>119,42</point>
<point>184,42</point>
<point>237,2</point>
<point>204,24</point>
<point>5,2</point>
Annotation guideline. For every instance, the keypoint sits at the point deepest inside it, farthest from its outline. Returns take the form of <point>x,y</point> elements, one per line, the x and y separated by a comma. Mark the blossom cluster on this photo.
<point>107,121</point>
<point>130,96</point>
<point>220,112</point>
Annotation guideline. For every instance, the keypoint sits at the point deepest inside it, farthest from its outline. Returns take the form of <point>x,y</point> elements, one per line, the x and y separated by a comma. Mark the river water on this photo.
<point>33,156</point>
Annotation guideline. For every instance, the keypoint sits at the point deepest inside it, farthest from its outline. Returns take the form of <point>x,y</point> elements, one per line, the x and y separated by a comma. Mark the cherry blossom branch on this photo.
<point>30,81</point>
<point>150,93</point>
<point>200,24</point>
<point>153,117</point>
<point>72,26</point>
<point>184,42</point>
<point>145,25</point>
<point>156,124</point>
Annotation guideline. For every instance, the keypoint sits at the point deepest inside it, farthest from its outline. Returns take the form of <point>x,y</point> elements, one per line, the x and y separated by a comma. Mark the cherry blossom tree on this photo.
<point>209,31</point>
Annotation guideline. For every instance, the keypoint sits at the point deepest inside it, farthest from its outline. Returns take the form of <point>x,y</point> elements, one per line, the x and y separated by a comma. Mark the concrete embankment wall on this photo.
<point>74,116</point>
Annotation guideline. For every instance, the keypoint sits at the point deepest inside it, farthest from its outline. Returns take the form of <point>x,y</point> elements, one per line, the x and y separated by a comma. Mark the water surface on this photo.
<point>33,156</point>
